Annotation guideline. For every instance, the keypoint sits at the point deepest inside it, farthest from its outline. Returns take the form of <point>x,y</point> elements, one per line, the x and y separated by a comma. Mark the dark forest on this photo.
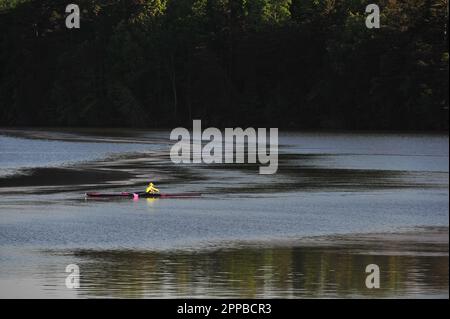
<point>292,64</point>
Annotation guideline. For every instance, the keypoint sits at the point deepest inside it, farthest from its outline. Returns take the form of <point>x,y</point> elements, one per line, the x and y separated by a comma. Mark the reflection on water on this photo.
<point>330,271</point>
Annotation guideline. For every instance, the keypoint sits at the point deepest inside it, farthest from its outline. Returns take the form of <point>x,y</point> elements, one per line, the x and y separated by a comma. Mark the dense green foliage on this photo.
<point>284,63</point>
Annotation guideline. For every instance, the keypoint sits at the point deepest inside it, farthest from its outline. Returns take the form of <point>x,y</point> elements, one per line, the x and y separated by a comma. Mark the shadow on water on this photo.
<point>133,170</point>
<point>317,170</point>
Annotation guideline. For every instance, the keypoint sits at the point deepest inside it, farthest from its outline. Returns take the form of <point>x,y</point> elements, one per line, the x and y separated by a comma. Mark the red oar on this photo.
<point>123,194</point>
<point>181,195</point>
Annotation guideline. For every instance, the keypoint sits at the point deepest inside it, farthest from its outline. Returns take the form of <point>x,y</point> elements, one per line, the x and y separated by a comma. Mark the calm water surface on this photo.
<point>299,233</point>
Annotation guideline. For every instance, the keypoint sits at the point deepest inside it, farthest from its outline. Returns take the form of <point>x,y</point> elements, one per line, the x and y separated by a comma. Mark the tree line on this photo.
<point>298,64</point>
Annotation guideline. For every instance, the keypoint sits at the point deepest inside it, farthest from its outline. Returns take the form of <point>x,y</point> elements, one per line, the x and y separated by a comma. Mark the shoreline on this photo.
<point>126,134</point>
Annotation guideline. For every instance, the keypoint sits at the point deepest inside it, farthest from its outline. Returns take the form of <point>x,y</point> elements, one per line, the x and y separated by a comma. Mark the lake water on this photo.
<point>338,202</point>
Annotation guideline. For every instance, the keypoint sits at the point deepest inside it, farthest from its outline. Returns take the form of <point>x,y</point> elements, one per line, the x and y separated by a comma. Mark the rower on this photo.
<point>151,189</point>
